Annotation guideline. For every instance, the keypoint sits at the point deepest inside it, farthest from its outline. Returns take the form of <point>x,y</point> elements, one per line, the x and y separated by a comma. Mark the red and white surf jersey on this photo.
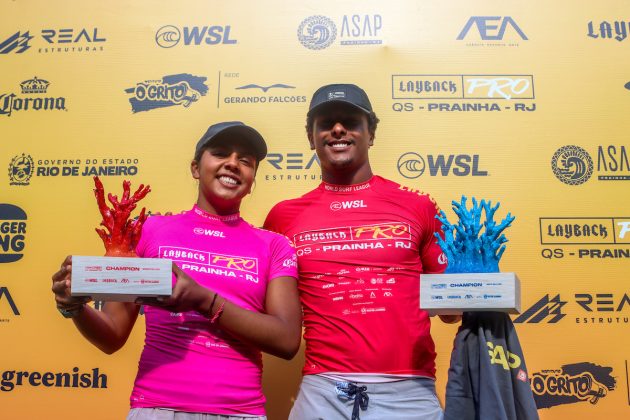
<point>361,249</point>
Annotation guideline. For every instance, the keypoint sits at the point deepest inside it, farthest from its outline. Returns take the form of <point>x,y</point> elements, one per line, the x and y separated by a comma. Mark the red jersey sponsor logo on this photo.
<point>388,230</point>
<point>344,205</point>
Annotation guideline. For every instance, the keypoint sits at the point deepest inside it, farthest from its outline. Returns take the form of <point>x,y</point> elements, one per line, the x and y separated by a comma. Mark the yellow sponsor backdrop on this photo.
<point>571,93</point>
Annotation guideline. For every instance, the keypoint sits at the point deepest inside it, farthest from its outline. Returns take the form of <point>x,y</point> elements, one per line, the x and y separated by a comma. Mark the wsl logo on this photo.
<point>572,165</point>
<point>345,205</point>
<point>317,32</point>
<point>178,89</point>
<point>11,102</point>
<point>16,43</point>
<point>21,169</point>
<point>412,165</point>
<point>169,36</point>
<point>572,384</point>
<point>12,233</point>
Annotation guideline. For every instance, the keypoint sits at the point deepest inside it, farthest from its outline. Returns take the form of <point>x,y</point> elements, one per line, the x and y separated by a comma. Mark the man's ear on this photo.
<point>371,142</point>
<point>310,140</point>
<point>194,169</point>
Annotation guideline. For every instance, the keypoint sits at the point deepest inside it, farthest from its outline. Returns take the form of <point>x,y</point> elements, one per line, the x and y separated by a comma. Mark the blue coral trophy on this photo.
<point>467,249</point>
<point>475,386</point>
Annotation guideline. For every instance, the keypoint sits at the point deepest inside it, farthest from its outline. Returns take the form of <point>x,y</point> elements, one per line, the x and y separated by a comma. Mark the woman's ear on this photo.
<point>194,169</point>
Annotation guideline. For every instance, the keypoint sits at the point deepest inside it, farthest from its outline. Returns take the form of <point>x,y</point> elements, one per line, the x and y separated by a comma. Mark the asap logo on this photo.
<point>344,205</point>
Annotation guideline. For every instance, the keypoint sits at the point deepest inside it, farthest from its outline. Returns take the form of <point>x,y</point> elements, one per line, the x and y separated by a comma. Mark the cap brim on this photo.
<point>253,137</point>
<point>333,101</point>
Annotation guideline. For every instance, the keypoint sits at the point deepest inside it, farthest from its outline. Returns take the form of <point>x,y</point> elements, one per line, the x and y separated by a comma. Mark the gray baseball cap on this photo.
<point>236,128</point>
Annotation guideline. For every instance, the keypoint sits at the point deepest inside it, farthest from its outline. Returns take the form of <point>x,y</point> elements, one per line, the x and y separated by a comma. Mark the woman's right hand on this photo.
<point>61,289</point>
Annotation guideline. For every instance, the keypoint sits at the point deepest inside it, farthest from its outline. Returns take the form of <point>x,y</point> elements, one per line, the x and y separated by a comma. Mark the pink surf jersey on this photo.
<point>189,364</point>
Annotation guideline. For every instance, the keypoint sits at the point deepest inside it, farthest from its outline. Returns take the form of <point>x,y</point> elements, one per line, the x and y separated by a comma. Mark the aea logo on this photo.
<point>487,25</point>
<point>412,165</point>
<point>5,295</point>
<point>169,36</point>
<point>317,32</point>
<point>572,384</point>
<point>12,233</point>
<point>17,43</point>
<point>572,165</point>
<point>21,169</point>
<point>548,310</point>
<point>178,89</point>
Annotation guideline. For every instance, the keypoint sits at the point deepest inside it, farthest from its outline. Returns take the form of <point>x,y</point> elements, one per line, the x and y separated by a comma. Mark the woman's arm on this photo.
<point>108,329</point>
<point>276,332</point>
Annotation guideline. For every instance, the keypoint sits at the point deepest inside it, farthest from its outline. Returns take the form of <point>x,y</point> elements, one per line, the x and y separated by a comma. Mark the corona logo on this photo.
<point>35,85</point>
<point>10,102</point>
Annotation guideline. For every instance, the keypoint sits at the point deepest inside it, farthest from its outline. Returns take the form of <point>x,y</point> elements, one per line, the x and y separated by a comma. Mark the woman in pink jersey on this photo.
<point>235,294</point>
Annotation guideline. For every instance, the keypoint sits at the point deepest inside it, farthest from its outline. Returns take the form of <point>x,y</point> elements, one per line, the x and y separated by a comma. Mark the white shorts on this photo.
<point>321,398</point>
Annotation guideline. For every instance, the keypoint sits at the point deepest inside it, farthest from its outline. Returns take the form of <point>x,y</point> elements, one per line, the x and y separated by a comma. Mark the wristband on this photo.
<point>218,313</point>
<point>70,313</point>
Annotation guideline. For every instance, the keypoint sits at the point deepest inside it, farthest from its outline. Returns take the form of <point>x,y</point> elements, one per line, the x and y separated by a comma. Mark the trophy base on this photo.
<point>121,279</point>
<point>454,294</point>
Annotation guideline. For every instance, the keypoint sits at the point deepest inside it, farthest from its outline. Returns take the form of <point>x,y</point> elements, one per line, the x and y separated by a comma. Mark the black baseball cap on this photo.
<point>234,128</point>
<point>340,92</point>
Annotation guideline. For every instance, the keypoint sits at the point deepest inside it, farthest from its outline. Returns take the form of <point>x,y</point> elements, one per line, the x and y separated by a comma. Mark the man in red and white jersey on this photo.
<point>362,242</point>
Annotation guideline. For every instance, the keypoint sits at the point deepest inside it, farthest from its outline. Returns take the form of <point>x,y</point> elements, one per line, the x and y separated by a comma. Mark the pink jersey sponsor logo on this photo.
<point>184,254</point>
<point>233,262</point>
